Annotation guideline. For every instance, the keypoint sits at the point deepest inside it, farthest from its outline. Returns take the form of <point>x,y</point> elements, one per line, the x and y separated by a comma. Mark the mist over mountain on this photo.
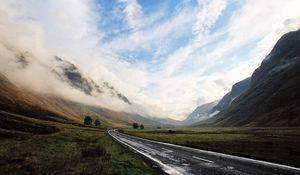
<point>68,72</point>
<point>201,113</point>
<point>273,96</point>
<point>56,89</point>
<point>43,73</point>
<point>16,100</point>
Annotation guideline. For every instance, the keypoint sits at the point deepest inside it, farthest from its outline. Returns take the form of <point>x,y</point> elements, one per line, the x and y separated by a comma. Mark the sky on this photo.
<point>166,56</point>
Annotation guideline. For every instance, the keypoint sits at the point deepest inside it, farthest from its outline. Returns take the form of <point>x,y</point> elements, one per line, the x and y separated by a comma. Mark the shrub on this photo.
<point>135,125</point>
<point>88,120</point>
<point>97,122</point>
<point>171,131</point>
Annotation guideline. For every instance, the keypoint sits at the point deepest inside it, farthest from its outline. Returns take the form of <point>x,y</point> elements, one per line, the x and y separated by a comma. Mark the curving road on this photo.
<point>175,159</point>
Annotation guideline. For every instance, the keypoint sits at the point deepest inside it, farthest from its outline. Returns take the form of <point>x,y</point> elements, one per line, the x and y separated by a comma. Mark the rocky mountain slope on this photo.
<point>206,111</point>
<point>69,73</point>
<point>236,90</point>
<point>273,97</point>
<point>202,112</point>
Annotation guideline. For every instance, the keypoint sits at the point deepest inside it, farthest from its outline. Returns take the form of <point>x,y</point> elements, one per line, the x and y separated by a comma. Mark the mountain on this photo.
<point>202,112</point>
<point>273,97</point>
<point>15,100</point>
<point>69,73</point>
<point>167,121</point>
<point>53,102</point>
<point>207,111</point>
<point>236,90</point>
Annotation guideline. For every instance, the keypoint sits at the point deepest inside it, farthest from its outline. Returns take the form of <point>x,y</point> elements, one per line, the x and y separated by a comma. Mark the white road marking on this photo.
<point>205,160</point>
<point>230,167</point>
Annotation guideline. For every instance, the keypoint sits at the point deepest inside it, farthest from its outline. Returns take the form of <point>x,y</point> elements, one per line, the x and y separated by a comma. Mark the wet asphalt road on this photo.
<point>175,159</point>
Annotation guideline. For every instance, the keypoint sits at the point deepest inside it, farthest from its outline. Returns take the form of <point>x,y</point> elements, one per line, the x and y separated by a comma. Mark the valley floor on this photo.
<point>279,145</point>
<point>68,149</point>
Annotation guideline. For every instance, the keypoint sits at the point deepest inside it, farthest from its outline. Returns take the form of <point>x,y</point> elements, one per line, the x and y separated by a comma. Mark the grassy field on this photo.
<point>63,149</point>
<point>280,145</point>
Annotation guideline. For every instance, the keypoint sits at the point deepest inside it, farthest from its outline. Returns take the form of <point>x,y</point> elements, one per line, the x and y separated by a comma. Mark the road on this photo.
<point>175,159</point>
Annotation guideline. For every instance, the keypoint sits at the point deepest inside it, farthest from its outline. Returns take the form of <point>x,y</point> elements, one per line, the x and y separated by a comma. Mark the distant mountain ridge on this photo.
<point>202,112</point>
<point>167,121</point>
<point>236,90</point>
<point>208,110</point>
<point>273,97</point>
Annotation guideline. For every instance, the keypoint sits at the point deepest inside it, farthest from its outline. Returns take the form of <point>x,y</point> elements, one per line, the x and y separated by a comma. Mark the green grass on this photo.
<point>280,145</point>
<point>124,162</point>
<point>71,150</point>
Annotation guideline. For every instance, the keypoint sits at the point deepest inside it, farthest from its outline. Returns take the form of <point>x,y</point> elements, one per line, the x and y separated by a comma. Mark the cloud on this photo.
<point>152,37</point>
<point>23,33</point>
<point>133,12</point>
<point>209,12</point>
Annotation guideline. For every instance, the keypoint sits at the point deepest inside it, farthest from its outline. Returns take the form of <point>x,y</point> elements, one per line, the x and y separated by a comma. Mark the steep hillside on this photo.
<point>16,100</point>
<point>202,112</point>
<point>60,77</point>
<point>20,101</point>
<point>273,97</point>
<point>236,90</point>
<point>53,69</point>
<point>209,110</point>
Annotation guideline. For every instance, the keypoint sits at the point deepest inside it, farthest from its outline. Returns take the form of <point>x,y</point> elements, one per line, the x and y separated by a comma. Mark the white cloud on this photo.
<point>133,12</point>
<point>209,12</point>
<point>153,36</point>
